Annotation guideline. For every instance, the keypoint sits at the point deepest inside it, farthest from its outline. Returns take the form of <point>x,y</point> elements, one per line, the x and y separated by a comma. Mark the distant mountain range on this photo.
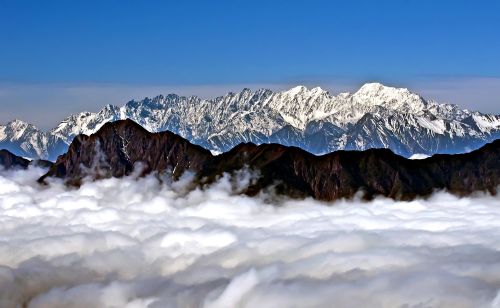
<point>376,116</point>
<point>119,148</point>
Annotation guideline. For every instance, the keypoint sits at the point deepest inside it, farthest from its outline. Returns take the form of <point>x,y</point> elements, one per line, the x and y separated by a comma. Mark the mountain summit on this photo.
<point>375,116</point>
<point>119,147</point>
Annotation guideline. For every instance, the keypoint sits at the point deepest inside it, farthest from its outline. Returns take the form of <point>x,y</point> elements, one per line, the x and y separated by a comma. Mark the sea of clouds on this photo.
<point>139,243</point>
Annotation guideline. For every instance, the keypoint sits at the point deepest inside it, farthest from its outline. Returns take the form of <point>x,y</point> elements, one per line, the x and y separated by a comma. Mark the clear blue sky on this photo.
<point>223,43</point>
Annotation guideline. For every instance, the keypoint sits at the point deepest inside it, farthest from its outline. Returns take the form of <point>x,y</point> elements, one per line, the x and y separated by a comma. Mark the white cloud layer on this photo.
<point>136,243</point>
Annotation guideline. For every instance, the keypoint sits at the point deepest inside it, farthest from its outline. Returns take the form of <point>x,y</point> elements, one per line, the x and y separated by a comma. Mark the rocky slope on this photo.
<point>376,116</point>
<point>10,161</point>
<point>117,147</point>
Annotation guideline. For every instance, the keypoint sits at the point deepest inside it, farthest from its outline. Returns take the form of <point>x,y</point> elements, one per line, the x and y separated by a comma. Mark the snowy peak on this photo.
<point>17,129</point>
<point>486,123</point>
<point>17,123</point>
<point>295,91</point>
<point>304,91</point>
<point>375,116</point>
<point>401,99</point>
<point>26,140</point>
<point>377,92</point>
<point>374,88</point>
<point>110,110</point>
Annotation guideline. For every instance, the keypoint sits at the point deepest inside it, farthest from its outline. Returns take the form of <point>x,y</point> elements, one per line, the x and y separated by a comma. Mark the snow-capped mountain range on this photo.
<point>376,116</point>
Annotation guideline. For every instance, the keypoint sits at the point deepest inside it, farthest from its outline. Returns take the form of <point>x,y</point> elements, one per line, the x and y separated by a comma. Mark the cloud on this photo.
<point>419,156</point>
<point>138,243</point>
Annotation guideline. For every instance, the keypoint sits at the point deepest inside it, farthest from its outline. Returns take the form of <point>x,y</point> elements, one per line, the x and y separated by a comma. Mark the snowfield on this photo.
<point>137,243</point>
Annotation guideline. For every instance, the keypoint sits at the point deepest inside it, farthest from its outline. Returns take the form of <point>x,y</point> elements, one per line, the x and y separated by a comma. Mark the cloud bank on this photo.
<point>138,243</point>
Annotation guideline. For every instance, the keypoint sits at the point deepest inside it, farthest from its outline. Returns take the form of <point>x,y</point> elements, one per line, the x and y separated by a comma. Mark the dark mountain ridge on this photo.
<point>117,147</point>
<point>11,161</point>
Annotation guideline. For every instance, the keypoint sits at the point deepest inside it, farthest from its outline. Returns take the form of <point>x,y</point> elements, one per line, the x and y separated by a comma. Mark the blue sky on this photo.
<point>110,51</point>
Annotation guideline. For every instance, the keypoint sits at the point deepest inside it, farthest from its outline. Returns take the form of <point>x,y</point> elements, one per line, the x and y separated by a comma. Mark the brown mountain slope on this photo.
<point>9,160</point>
<point>117,146</point>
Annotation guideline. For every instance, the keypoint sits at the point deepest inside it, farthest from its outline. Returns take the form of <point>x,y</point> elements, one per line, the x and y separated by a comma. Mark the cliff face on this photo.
<point>117,146</point>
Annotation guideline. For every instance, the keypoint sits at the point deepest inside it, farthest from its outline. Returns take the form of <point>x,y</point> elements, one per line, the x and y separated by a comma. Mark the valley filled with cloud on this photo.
<point>136,242</point>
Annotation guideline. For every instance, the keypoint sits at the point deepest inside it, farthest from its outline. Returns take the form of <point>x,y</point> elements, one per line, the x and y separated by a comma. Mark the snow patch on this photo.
<point>438,126</point>
<point>419,156</point>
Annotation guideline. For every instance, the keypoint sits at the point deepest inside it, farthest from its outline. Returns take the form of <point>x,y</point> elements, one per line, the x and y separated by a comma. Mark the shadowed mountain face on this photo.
<point>342,174</point>
<point>9,161</point>
<point>117,147</point>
